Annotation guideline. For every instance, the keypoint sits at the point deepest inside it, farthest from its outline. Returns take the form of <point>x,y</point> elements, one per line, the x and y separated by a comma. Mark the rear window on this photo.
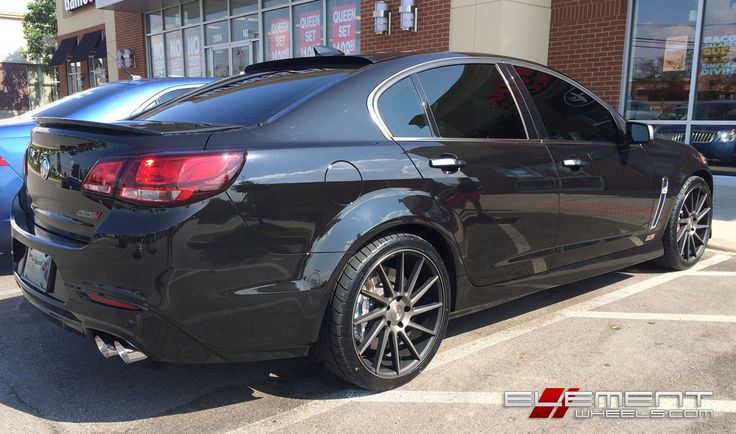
<point>245,102</point>
<point>71,104</point>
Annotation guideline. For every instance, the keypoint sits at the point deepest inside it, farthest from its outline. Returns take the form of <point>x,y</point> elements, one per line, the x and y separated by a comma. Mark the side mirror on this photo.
<point>638,133</point>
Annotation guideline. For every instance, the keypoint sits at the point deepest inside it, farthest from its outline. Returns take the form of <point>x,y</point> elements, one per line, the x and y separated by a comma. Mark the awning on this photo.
<point>101,50</point>
<point>65,48</point>
<point>86,45</point>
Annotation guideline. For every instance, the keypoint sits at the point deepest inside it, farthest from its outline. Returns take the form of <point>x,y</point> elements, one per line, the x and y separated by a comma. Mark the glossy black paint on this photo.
<point>247,274</point>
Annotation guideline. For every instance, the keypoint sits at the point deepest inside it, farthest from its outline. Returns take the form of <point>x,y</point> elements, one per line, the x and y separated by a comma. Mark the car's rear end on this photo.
<point>127,232</point>
<point>98,202</point>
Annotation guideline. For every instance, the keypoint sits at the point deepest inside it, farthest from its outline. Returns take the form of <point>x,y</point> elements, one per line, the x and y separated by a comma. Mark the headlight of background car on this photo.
<point>728,136</point>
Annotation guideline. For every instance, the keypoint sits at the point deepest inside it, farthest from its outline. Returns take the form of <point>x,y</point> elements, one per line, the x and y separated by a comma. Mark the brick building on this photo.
<point>670,62</point>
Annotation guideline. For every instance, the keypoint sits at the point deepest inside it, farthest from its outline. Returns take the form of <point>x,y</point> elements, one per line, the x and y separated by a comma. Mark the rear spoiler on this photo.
<point>298,63</point>
<point>128,129</point>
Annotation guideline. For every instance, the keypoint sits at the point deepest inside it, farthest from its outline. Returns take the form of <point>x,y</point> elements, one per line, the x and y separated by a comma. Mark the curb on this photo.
<point>721,244</point>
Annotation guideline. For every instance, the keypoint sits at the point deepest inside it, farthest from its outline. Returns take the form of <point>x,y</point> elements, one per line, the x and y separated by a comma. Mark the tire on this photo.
<point>369,314</point>
<point>689,226</point>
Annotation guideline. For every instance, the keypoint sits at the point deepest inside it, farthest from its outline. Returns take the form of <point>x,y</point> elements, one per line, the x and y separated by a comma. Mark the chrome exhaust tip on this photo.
<point>129,354</point>
<point>106,349</point>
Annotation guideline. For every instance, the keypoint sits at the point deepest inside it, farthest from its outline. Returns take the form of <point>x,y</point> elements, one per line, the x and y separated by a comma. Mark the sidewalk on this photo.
<point>724,220</point>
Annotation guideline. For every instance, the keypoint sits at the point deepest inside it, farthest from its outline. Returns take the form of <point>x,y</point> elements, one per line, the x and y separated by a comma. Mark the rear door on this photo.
<point>472,147</point>
<point>607,188</point>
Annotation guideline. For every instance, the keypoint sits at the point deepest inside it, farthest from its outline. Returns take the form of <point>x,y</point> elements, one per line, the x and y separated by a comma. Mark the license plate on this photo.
<point>38,269</point>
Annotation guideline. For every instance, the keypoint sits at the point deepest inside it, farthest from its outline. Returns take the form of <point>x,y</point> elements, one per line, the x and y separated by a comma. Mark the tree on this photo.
<point>39,29</point>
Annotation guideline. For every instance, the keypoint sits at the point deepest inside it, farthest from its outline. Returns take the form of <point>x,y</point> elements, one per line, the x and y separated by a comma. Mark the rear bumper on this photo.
<point>196,308</point>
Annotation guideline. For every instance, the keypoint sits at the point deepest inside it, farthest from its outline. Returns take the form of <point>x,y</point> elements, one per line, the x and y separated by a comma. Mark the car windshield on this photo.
<point>245,102</point>
<point>69,105</point>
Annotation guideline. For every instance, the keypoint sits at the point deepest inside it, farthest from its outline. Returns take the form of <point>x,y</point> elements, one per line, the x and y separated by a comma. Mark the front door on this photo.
<point>607,188</point>
<point>473,149</point>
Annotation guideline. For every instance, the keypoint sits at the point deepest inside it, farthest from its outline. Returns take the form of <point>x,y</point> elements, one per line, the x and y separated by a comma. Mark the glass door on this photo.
<point>218,62</point>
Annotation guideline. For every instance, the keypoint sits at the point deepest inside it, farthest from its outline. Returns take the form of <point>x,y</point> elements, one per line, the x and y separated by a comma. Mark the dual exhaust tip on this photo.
<point>124,350</point>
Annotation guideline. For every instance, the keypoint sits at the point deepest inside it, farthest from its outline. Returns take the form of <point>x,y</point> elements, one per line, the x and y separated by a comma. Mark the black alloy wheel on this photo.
<point>389,313</point>
<point>689,227</point>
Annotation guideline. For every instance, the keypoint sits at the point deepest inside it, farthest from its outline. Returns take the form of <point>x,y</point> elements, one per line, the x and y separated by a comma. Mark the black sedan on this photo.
<point>346,206</point>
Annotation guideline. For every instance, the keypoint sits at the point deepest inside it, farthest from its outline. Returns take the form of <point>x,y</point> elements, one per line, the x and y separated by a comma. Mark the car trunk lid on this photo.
<point>62,153</point>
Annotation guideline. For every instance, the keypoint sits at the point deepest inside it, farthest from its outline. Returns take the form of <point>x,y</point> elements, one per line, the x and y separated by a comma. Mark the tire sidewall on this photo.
<point>361,375</point>
<point>672,255</point>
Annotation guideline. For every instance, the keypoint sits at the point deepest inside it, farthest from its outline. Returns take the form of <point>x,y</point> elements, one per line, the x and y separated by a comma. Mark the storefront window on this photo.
<point>191,13</point>
<point>244,28</point>
<point>158,56</point>
<point>278,39</point>
<point>215,9</point>
<point>216,33</point>
<point>307,28</point>
<point>682,69</point>
<point>193,49</point>
<point>273,3</point>
<point>238,7</point>
<point>222,37</point>
<point>716,87</point>
<point>344,22</point>
<point>662,56</point>
<point>97,71</point>
<point>75,79</point>
<point>172,18</point>
<point>174,54</point>
<point>154,23</point>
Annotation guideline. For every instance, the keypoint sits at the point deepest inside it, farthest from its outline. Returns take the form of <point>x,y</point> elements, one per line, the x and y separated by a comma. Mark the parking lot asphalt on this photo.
<point>640,329</point>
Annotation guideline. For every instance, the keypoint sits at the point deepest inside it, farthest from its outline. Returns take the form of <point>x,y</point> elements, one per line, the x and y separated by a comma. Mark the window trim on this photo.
<point>382,87</point>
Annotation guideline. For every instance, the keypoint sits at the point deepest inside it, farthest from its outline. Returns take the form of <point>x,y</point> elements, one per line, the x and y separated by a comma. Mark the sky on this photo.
<point>18,6</point>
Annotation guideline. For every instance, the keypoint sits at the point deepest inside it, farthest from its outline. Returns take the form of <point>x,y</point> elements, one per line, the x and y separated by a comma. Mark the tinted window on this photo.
<point>472,101</point>
<point>249,101</point>
<point>568,113</point>
<point>402,111</point>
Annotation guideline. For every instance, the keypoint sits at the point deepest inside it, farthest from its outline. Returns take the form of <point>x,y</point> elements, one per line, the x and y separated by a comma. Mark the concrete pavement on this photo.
<point>724,218</point>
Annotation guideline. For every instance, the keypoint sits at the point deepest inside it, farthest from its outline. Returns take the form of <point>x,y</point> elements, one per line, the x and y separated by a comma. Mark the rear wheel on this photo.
<point>689,227</point>
<point>388,314</point>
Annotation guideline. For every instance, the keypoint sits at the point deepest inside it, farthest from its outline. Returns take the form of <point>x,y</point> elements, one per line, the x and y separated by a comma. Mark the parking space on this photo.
<point>635,330</point>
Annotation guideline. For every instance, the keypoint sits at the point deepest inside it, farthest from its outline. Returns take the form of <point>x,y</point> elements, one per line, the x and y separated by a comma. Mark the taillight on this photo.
<point>103,177</point>
<point>165,179</point>
<point>3,162</point>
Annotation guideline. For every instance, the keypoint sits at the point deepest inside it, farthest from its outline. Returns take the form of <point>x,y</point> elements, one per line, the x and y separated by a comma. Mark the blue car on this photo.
<point>107,103</point>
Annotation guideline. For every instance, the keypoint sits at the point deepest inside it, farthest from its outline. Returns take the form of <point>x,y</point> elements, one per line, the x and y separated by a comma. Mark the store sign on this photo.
<point>344,32</point>
<point>310,31</point>
<point>193,44</point>
<point>278,34</point>
<point>158,56</point>
<point>70,5</point>
<point>175,54</point>
<point>719,55</point>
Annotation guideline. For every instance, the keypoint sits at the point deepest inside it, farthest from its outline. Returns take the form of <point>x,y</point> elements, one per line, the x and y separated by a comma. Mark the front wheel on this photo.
<point>689,227</point>
<point>388,314</point>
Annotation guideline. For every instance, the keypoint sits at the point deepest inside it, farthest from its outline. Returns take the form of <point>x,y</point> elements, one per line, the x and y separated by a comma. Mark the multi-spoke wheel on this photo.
<point>389,313</point>
<point>688,229</point>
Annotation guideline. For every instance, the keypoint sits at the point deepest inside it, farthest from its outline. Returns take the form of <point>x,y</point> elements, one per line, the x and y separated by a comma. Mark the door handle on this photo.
<point>448,163</point>
<point>572,163</point>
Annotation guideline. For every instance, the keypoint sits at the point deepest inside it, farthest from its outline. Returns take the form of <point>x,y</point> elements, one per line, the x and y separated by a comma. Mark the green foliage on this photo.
<point>39,29</point>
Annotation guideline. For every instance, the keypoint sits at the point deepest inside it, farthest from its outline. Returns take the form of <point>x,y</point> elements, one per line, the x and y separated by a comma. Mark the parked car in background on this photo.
<point>641,110</point>
<point>110,102</point>
<point>343,205</point>
<point>717,143</point>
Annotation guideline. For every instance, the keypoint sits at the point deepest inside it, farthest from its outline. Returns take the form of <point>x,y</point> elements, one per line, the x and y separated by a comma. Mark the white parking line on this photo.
<point>9,293</point>
<point>653,316</point>
<point>330,402</point>
<point>715,273</point>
